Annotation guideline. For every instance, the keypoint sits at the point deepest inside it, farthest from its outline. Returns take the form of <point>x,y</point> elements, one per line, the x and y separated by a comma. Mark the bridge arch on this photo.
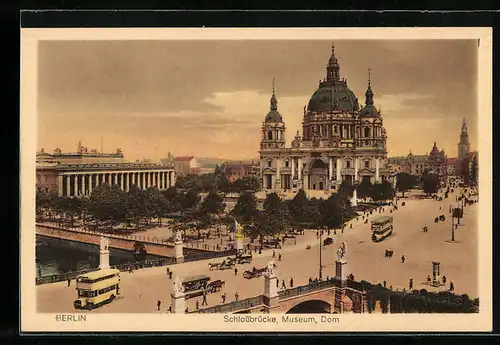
<point>313,306</point>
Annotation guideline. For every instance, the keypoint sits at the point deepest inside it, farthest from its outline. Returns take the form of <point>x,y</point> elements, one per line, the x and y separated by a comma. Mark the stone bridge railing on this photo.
<point>233,307</point>
<point>311,287</point>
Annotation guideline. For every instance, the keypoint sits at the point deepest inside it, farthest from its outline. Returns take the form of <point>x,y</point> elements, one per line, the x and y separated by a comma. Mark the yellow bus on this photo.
<point>97,288</point>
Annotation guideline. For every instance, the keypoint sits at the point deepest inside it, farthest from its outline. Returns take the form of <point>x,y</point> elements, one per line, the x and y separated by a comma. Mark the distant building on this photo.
<point>435,161</point>
<point>185,165</point>
<point>237,170</point>
<point>203,170</point>
<point>451,166</point>
<point>78,173</point>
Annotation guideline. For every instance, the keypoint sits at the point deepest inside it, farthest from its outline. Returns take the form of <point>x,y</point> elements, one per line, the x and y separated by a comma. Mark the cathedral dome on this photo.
<point>333,95</point>
<point>273,116</point>
<point>369,110</point>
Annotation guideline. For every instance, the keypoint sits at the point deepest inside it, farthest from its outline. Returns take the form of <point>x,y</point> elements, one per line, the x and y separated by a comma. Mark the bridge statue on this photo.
<point>104,244</point>
<point>342,251</point>
<point>177,288</point>
<point>178,236</point>
<point>271,268</point>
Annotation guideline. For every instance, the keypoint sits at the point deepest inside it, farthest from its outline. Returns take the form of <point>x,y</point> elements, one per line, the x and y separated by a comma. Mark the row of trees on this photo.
<point>217,181</point>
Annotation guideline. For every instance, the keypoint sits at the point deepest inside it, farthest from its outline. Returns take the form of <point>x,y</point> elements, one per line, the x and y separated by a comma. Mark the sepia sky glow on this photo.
<point>209,98</point>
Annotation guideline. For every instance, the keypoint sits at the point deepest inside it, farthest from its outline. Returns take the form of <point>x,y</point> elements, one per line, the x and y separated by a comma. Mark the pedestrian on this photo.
<point>197,304</point>
<point>283,286</point>
<point>335,232</point>
<point>235,271</point>
<point>411,284</point>
<point>204,301</point>
<point>236,296</point>
<point>224,298</point>
<point>402,259</point>
<point>69,282</point>
<point>186,310</point>
<point>279,257</point>
<point>385,283</point>
<point>350,225</point>
<point>452,287</point>
<point>158,304</point>
<point>168,270</point>
<point>248,246</point>
<point>274,254</point>
<point>291,282</point>
<point>444,279</point>
<point>310,280</point>
<point>170,309</point>
<point>170,275</point>
<point>277,283</point>
<point>130,269</point>
<point>260,250</point>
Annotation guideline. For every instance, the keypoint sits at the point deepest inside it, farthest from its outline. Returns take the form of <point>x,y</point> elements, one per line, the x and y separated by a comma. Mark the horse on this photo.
<point>211,266</point>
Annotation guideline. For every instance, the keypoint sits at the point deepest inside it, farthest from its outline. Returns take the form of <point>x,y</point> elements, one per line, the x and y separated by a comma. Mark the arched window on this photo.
<point>367,132</point>
<point>270,135</point>
<point>348,164</point>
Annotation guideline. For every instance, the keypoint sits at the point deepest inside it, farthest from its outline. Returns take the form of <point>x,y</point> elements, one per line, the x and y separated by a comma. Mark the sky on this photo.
<point>209,98</point>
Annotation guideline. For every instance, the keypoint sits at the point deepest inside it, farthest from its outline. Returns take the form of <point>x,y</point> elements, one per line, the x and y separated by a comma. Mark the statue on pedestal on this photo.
<point>178,236</point>
<point>271,268</point>
<point>342,251</point>
<point>177,288</point>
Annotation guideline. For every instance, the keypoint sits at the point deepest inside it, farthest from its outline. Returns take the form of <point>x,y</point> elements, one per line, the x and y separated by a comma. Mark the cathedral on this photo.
<point>340,141</point>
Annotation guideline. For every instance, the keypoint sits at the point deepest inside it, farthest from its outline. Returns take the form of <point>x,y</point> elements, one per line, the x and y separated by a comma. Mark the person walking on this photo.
<point>402,259</point>
<point>452,287</point>
<point>291,282</point>
<point>260,250</point>
<point>186,310</point>
<point>158,304</point>
<point>204,301</point>
<point>197,304</point>
<point>279,257</point>
<point>69,282</point>
<point>236,296</point>
<point>169,309</point>
<point>277,283</point>
<point>170,275</point>
<point>444,279</point>
<point>274,254</point>
<point>255,249</point>
<point>283,286</point>
<point>411,284</point>
<point>235,271</point>
<point>385,283</point>
<point>223,298</point>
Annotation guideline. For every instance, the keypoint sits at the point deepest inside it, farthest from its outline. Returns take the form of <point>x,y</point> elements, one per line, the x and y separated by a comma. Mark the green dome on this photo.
<point>369,110</point>
<point>273,116</point>
<point>333,96</point>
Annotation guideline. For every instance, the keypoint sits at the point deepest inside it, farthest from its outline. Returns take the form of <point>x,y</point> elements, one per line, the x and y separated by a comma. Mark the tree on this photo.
<point>474,171</point>
<point>299,209</point>
<point>246,207</point>
<point>331,212</point>
<point>107,204</point>
<point>346,188</point>
<point>213,204</point>
<point>364,189</point>
<point>247,183</point>
<point>277,214</point>
<point>404,182</point>
<point>382,191</point>
<point>156,203</point>
<point>430,183</point>
<point>135,205</point>
<point>465,171</point>
<point>190,200</point>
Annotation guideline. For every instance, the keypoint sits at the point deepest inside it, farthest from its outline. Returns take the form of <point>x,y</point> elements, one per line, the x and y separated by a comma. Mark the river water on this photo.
<point>58,256</point>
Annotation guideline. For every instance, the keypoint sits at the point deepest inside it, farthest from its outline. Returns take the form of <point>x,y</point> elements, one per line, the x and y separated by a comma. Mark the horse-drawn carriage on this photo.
<point>224,265</point>
<point>244,258</point>
<point>254,273</point>
<point>215,286</point>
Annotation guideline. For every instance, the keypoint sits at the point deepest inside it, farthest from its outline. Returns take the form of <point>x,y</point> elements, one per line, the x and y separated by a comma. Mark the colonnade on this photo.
<point>340,168</point>
<point>82,183</point>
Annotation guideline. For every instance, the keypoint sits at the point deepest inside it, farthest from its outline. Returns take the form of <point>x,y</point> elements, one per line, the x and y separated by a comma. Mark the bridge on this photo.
<point>153,246</point>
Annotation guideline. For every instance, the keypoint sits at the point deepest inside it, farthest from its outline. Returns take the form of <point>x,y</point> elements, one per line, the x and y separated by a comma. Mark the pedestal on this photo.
<point>354,200</point>
<point>239,243</point>
<point>103,259</point>
<point>179,255</point>
<point>178,303</point>
<point>271,296</point>
<point>341,270</point>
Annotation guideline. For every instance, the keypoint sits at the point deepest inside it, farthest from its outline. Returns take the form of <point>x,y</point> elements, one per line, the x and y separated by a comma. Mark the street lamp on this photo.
<point>320,257</point>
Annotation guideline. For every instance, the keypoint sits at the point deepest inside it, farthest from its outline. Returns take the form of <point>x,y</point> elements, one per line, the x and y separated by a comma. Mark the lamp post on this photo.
<point>320,257</point>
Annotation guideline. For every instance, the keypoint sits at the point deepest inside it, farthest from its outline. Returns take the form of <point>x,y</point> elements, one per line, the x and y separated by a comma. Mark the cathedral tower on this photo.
<point>463,145</point>
<point>273,127</point>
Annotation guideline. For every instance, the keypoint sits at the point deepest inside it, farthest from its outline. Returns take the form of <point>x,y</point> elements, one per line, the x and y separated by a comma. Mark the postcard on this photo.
<point>256,180</point>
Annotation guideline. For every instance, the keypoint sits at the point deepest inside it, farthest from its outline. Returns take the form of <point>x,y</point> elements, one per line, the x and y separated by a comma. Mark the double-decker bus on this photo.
<point>97,288</point>
<point>381,228</point>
